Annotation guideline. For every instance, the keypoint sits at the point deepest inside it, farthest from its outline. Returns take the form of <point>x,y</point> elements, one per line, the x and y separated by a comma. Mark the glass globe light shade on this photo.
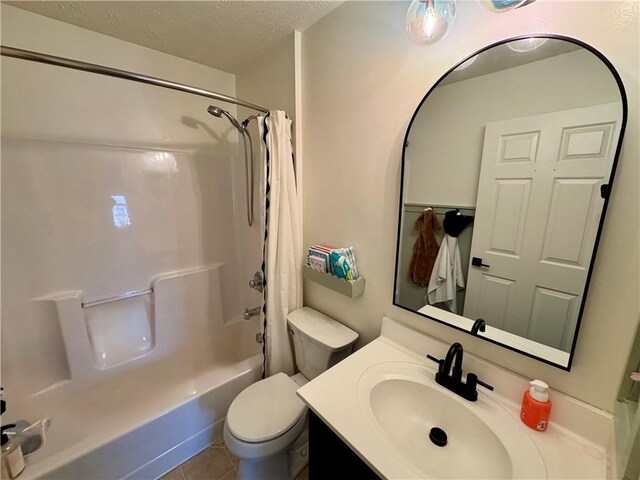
<point>428,21</point>
<point>500,6</point>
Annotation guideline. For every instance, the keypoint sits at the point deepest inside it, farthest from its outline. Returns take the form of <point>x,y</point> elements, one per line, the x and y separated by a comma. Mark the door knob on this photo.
<point>477,262</point>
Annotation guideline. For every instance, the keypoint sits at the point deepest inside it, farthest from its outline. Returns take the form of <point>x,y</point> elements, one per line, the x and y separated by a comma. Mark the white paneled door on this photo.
<point>537,214</point>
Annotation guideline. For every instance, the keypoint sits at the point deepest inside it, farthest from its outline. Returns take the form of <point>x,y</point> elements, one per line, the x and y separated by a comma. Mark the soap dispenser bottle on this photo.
<point>12,458</point>
<point>536,406</point>
<point>12,462</point>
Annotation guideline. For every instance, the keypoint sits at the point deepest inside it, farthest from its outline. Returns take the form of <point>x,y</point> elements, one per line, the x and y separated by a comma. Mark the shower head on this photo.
<point>218,112</point>
<point>248,157</point>
<point>215,111</point>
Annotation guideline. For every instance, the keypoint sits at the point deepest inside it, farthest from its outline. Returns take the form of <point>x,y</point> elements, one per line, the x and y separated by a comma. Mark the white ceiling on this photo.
<point>227,35</point>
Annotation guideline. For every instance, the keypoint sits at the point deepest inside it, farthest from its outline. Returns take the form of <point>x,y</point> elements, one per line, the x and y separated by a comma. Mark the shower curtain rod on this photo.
<point>124,74</point>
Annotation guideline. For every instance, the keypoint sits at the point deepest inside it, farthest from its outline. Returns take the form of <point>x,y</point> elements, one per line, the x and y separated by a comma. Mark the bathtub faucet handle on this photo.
<point>257,283</point>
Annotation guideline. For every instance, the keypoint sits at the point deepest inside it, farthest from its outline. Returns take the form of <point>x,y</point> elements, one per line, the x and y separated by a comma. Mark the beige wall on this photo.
<point>270,80</point>
<point>270,83</point>
<point>362,80</point>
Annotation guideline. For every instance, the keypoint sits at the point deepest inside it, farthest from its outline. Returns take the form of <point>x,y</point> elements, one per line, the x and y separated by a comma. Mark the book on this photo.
<point>318,263</point>
<point>324,248</point>
<point>314,252</point>
<point>324,252</point>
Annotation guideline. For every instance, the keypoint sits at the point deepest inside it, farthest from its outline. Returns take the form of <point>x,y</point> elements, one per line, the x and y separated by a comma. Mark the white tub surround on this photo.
<point>156,410</point>
<point>574,446</point>
<point>108,187</point>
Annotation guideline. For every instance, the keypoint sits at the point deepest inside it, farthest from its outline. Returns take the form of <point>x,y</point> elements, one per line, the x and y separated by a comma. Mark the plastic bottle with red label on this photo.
<point>536,406</point>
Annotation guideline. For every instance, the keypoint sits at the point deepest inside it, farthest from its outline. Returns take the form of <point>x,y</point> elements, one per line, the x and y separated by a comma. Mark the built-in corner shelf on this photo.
<point>349,288</point>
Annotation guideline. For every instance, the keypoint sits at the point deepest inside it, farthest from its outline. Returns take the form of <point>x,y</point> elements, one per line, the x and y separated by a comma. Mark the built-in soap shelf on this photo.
<point>102,334</point>
<point>107,335</point>
<point>349,288</point>
<point>120,330</point>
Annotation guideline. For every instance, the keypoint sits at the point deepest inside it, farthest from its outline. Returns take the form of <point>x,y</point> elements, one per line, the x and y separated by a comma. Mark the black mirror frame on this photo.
<point>623,97</point>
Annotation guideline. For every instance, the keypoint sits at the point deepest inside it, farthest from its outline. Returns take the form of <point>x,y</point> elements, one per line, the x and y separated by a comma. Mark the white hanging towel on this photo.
<point>283,249</point>
<point>446,276</point>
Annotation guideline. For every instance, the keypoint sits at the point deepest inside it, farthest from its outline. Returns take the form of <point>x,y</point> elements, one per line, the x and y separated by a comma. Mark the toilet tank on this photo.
<point>319,341</point>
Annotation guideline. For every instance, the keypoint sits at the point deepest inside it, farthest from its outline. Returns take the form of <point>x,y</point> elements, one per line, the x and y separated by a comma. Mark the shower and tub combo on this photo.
<point>150,379</point>
<point>134,268</point>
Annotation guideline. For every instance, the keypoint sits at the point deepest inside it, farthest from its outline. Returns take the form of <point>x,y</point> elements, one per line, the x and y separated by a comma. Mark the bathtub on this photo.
<point>142,440</point>
<point>143,416</point>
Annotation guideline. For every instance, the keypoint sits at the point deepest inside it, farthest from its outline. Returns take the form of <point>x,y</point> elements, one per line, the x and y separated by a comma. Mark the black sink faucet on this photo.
<point>478,326</point>
<point>449,374</point>
<point>455,352</point>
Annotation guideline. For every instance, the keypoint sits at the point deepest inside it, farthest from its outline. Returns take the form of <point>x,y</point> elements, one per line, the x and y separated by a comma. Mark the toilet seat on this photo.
<point>265,410</point>
<point>259,450</point>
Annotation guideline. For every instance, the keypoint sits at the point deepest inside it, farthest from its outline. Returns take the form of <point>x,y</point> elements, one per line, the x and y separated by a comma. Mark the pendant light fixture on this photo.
<point>428,21</point>
<point>501,6</point>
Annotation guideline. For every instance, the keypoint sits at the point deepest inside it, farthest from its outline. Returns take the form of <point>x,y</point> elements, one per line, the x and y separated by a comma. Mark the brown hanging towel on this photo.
<point>425,250</point>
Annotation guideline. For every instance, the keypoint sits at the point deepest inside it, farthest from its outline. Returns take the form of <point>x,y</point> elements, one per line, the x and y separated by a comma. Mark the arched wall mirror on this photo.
<point>507,169</point>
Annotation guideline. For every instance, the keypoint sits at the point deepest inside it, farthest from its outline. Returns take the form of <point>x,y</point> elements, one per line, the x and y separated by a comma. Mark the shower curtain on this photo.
<point>282,256</point>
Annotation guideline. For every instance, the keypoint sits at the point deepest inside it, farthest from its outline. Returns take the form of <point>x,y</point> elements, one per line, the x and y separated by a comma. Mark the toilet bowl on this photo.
<point>266,425</point>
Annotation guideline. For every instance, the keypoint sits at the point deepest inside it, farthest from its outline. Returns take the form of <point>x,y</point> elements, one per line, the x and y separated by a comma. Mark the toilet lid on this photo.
<point>321,329</point>
<point>265,410</point>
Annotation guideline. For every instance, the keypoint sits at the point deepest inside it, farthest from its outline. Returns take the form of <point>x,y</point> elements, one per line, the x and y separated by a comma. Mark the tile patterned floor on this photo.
<point>213,463</point>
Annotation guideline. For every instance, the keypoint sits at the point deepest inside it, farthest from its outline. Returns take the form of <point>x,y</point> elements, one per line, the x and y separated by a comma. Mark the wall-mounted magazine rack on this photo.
<point>349,288</point>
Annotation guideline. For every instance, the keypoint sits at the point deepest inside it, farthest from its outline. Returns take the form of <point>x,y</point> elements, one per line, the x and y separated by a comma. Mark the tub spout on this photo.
<point>251,312</point>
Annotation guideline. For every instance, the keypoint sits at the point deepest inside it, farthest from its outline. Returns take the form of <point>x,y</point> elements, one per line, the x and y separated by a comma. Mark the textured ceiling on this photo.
<point>227,35</point>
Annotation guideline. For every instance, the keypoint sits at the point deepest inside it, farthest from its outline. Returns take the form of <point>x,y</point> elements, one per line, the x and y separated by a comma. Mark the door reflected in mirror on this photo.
<point>507,166</point>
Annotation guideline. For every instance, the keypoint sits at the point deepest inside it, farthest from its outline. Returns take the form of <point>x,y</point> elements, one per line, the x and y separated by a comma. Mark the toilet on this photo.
<point>266,425</point>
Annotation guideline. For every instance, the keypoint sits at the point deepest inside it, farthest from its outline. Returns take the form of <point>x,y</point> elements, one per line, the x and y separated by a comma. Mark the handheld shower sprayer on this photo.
<point>248,155</point>
<point>218,112</point>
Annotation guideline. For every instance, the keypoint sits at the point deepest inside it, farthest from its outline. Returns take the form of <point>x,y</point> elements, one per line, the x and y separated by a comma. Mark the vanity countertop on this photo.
<point>567,452</point>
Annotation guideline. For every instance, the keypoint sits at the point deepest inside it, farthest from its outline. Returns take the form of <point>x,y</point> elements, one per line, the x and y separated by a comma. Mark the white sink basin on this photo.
<point>402,403</point>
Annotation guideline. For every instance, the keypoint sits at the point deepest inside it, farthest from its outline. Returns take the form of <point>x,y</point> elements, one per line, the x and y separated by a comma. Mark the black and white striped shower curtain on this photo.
<point>282,252</point>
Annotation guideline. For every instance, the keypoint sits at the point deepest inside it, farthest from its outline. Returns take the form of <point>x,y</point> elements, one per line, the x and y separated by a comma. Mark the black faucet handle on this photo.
<point>480,382</point>
<point>439,361</point>
<point>485,385</point>
<point>431,357</point>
